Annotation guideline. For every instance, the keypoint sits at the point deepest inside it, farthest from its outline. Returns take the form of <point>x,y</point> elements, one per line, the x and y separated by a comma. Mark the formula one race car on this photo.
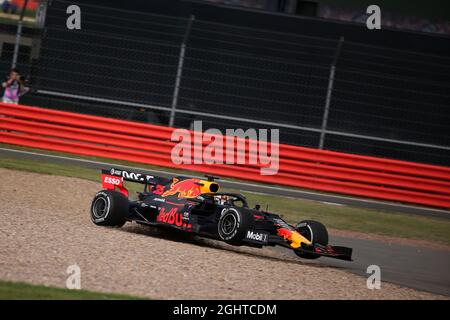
<point>196,206</point>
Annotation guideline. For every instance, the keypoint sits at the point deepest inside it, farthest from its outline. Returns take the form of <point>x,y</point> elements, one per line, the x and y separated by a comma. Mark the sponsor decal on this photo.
<point>116,172</point>
<point>112,180</point>
<point>285,233</point>
<point>295,238</point>
<point>131,175</point>
<point>188,188</point>
<point>257,236</point>
<point>172,217</point>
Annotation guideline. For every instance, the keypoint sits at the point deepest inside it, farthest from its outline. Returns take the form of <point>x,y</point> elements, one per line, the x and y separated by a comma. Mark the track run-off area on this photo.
<point>46,228</point>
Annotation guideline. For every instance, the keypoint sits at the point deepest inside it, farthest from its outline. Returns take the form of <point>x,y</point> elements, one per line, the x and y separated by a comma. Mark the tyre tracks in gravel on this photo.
<point>46,227</point>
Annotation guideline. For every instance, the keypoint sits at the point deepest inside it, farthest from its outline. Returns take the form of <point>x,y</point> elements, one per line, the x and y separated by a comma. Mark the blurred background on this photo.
<point>309,68</point>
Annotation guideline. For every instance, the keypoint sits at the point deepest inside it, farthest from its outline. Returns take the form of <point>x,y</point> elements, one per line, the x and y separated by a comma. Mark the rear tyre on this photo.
<point>315,232</point>
<point>109,208</point>
<point>233,225</point>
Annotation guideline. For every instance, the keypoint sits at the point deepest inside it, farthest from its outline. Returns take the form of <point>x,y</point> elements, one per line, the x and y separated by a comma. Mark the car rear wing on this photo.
<point>130,176</point>
<point>113,179</point>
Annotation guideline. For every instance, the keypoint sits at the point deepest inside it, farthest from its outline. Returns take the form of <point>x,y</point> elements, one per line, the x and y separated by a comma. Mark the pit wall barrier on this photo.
<point>300,167</point>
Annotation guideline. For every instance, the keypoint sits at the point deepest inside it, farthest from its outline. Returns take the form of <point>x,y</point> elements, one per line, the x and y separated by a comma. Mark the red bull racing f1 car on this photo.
<point>197,206</point>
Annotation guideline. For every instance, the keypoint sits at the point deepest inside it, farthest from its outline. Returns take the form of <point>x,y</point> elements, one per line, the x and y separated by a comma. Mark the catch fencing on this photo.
<point>331,94</point>
<point>298,166</point>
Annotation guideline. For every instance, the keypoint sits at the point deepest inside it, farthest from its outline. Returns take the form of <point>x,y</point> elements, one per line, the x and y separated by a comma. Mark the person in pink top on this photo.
<point>13,87</point>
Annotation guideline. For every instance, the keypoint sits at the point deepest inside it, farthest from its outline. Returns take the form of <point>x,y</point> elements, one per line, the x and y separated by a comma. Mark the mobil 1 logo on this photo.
<point>258,237</point>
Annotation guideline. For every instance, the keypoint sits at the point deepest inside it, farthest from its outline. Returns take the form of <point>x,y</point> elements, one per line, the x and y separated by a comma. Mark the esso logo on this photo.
<point>111,180</point>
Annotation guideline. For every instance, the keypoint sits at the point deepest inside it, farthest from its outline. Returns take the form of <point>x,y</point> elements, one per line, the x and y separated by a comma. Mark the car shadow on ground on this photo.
<point>180,236</point>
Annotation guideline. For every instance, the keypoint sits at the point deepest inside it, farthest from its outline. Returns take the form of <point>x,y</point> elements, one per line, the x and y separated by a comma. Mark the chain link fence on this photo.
<point>7,43</point>
<point>329,93</point>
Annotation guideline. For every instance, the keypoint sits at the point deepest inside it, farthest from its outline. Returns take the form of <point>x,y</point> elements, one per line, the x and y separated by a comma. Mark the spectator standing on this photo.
<point>13,87</point>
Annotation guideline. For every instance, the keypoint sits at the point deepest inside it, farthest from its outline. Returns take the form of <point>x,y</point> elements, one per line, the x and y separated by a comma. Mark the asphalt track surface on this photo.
<point>418,268</point>
<point>415,267</point>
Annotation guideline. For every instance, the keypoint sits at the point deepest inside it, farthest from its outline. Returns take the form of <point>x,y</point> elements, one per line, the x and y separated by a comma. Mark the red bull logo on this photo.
<point>293,237</point>
<point>173,217</point>
<point>285,233</point>
<point>188,188</point>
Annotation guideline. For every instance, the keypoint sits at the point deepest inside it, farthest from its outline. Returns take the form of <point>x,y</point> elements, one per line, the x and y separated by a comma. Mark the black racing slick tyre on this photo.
<point>233,225</point>
<point>109,208</point>
<point>315,232</point>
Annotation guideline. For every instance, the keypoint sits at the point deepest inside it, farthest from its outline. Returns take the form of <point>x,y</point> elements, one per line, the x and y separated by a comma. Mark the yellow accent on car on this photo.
<point>297,239</point>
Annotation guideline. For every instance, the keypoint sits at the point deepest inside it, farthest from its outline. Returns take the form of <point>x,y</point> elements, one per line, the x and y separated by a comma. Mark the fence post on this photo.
<point>18,35</point>
<point>329,93</point>
<point>180,71</point>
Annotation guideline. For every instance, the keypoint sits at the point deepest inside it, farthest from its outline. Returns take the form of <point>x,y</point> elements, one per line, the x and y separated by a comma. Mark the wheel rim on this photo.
<point>228,224</point>
<point>99,208</point>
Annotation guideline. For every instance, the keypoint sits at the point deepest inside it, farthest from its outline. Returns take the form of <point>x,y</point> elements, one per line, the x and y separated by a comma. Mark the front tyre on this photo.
<point>109,208</point>
<point>315,232</point>
<point>233,225</point>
